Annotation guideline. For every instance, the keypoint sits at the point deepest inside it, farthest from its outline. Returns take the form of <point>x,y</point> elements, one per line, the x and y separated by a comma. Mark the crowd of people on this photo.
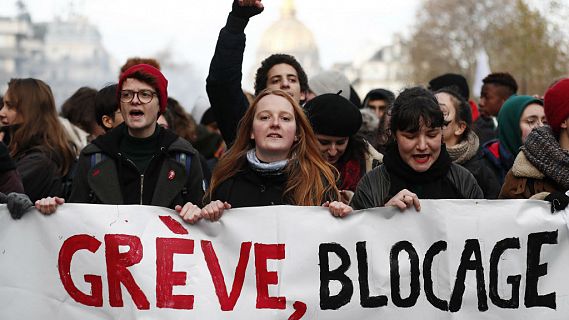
<point>298,140</point>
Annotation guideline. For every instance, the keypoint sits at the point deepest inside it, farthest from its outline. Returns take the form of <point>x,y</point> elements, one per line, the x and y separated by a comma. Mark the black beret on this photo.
<point>451,80</point>
<point>333,115</point>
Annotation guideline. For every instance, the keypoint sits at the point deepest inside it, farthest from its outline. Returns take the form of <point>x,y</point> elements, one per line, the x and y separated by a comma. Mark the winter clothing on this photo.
<point>115,179</point>
<point>161,84</point>
<point>333,115</point>
<point>444,180</point>
<point>485,129</point>
<point>9,179</point>
<point>509,131</point>
<point>556,104</point>
<point>559,200</point>
<point>451,80</point>
<point>541,166</point>
<point>223,84</point>
<point>38,168</point>
<point>467,154</point>
<point>497,158</point>
<point>17,203</point>
<point>332,82</point>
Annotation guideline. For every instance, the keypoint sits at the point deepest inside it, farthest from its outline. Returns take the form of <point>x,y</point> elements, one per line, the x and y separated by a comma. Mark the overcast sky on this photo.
<point>343,29</point>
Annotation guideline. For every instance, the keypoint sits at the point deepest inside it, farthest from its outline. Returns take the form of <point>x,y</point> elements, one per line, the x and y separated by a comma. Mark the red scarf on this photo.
<point>350,174</point>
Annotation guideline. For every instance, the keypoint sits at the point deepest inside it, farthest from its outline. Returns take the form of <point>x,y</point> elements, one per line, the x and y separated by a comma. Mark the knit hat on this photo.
<point>333,115</point>
<point>161,84</point>
<point>556,104</point>
<point>451,80</point>
<point>330,82</point>
<point>509,131</point>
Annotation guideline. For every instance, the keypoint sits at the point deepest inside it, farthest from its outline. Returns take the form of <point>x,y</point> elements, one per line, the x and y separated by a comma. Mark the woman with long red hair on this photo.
<point>274,160</point>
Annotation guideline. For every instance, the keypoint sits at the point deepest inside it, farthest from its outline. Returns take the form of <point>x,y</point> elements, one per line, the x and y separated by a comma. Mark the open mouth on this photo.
<point>274,136</point>
<point>136,113</point>
<point>421,158</point>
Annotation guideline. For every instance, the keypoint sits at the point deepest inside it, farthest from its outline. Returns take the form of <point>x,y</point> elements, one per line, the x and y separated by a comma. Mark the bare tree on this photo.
<point>517,38</point>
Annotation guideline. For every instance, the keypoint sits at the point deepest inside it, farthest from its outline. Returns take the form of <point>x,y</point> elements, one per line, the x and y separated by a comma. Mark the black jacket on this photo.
<point>38,168</point>
<point>105,175</point>
<point>224,80</point>
<point>251,189</point>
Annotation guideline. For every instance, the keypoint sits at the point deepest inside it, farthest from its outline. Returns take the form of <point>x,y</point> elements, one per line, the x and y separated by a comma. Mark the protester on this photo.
<point>9,178</point>
<point>458,83</point>
<point>379,100</point>
<point>274,161</point>
<point>496,89</point>
<point>542,165</point>
<point>336,122</point>
<point>278,71</point>
<point>36,139</point>
<point>107,108</point>
<point>416,165</point>
<point>138,162</point>
<point>329,81</point>
<point>462,143</point>
<point>79,109</point>
<point>517,117</point>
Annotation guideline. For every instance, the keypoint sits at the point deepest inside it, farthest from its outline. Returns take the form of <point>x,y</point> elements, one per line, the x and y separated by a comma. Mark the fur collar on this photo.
<point>522,168</point>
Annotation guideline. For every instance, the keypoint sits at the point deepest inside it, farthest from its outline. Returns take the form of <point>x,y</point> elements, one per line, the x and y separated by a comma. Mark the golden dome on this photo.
<point>288,34</point>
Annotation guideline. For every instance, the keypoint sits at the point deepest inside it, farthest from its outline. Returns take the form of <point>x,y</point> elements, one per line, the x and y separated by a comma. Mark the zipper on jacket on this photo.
<point>141,186</point>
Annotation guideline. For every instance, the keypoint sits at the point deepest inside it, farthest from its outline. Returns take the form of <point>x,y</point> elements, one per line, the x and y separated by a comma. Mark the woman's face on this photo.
<point>532,117</point>
<point>274,128</point>
<point>449,112</point>
<point>8,113</point>
<point>419,149</point>
<point>332,148</point>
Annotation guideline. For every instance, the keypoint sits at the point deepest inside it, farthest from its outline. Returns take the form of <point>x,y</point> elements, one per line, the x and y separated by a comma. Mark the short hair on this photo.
<point>502,79</point>
<point>106,103</point>
<point>261,76</point>
<point>413,105</point>
<point>137,60</point>
<point>461,108</point>
<point>79,109</point>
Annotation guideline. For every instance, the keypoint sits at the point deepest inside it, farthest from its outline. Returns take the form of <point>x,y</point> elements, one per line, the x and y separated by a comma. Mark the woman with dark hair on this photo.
<point>336,122</point>
<point>38,143</point>
<point>416,164</point>
<point>274,161</point>
<point>462,143</point>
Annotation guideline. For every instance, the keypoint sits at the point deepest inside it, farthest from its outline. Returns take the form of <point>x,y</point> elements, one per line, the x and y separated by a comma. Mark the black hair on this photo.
<point>106,103</point>
<point>502,79</point>
<point>414,107</point>
<point>461,107</point>
<point>261,76</point>
<point>379,94</point>
<point>79,109</point>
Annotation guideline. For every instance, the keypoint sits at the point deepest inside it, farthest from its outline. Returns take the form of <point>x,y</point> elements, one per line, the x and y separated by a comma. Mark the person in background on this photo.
<point>330,81</point>
<point>379,101</point>
<point>223,84</point>
<point>274,161</point>
<point>79,109</point>
<point>37,141</point>
<point>496,89</point>
<point>517,117</point>
<point>107,108</point>
<point>542,165</point>
<point>462,143</point>
<point>416,164</point>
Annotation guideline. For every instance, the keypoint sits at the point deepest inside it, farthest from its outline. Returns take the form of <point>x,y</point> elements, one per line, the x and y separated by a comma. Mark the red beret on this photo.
<point>161,84</point>
<point>556,104</point>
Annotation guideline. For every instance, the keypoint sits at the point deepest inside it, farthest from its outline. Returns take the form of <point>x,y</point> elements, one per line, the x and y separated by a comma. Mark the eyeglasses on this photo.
<point>144,96</point>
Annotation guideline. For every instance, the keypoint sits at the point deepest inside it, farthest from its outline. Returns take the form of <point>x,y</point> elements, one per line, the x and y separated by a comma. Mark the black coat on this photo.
<point>116,180</point>
<point>251,189</point>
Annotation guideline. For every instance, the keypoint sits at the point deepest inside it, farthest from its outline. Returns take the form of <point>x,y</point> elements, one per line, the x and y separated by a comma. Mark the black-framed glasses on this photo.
<point>144,96</point>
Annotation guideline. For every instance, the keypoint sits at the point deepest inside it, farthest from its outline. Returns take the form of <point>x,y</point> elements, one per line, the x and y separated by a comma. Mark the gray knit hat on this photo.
<point>330,82</point>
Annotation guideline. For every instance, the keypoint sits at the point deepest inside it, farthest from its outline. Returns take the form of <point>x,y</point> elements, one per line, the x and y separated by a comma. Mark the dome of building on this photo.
<point>289,35</point>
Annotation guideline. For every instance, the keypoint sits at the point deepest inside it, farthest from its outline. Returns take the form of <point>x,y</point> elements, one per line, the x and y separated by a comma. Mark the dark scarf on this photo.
<point>544,152</point>
<point>350,174</point>
<point>6,162</point>
<point>431,184</point>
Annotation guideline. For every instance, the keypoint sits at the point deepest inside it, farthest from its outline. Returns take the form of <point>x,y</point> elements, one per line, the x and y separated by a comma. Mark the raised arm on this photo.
<point>225,72</point>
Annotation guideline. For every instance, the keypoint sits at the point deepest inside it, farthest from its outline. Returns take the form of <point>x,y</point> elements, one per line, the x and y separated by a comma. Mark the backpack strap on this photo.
<point>96,158</point>
<point>185,160</point>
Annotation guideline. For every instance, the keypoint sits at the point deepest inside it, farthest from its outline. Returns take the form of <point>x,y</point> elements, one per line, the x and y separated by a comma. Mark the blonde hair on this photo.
<point>311,180</point>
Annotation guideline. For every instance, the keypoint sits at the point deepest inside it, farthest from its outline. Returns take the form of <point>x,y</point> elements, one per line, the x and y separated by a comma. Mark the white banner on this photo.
<point>460,259</point>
